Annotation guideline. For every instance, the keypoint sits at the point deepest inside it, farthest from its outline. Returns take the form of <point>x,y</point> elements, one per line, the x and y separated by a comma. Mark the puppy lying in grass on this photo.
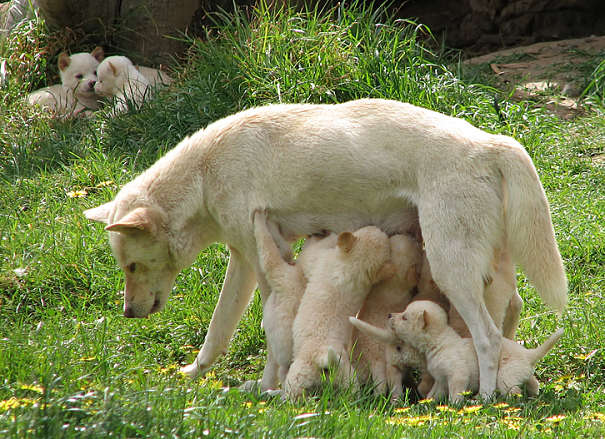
<point>393,294</point>
<point>452,361</point>
<point>287,283</point>
<point>120,79</point>
<point>75,96</point>
<point>337,286</point>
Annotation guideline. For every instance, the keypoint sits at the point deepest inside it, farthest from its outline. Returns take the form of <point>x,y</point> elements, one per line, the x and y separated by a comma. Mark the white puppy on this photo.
<point>337,286</point>
<point>287,283</point>
<point>75,96</point>
<point>120,79</point>
<point>391,295</point>
<point>368,161</point>
<point>452,361</point>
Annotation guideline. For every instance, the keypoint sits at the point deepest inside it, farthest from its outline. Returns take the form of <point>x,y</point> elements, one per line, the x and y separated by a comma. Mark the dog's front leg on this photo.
<point>234,298</point>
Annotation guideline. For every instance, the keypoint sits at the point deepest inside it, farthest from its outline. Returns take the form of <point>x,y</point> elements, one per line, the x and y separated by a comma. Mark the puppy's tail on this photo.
<point>529,230</point>
<point>538,353</point>
<point>379,334</point>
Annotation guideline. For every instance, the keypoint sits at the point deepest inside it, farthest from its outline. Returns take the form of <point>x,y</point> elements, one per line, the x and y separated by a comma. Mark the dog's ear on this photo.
<point>100,213</point>
<point>113,69</point>
<point>98,53</point>
<point>140,219</point>
<point>346,241</point>
<point>64,61</point>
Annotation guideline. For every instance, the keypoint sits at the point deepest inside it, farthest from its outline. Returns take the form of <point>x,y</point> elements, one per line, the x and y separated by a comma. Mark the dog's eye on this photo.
<point>398,348</point>
<point>79,76</point>
<point>403,317</point>
<point>132,267</point>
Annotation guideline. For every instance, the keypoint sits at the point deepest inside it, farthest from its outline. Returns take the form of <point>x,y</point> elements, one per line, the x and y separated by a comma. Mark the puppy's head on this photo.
<point>419,323</point>
<point>368,250</point>
<point>79,71</point>
<point>140,244</point>
<point>112,75</point>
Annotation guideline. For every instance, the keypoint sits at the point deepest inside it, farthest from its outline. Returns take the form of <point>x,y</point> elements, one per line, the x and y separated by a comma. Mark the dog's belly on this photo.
<point>391,217</point>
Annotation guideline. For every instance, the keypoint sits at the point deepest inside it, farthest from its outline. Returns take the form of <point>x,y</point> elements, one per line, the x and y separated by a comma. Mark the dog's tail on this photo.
<point>538,353</point>
<point>529,230</point>
<point>379,334</point>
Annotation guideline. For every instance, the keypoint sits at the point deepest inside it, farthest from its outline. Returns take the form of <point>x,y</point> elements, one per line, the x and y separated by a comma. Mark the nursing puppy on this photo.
<point>398,357</point>
<point>369,161</point>
<point>452,361</point>
<point>336,289</point>
<point>391,295</point>
<point>287,283</point>
<point>120,79</point>
<point>75,96</point>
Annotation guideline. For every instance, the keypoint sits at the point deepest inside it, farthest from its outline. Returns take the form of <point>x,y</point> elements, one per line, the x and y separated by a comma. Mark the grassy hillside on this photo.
<point>72,366</point>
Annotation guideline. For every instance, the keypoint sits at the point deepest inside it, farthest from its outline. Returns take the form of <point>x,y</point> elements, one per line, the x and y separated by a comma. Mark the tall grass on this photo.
<point>71,366</point>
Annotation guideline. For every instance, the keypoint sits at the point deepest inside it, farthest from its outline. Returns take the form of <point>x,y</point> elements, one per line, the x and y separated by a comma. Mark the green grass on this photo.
<point>71,366</point>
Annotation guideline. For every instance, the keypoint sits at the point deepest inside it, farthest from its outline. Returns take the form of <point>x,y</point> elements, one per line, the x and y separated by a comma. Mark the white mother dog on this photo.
<point>338,168</point>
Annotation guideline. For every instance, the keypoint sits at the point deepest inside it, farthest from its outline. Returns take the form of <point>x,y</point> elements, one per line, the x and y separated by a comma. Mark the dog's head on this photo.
<point>419,323</point>
<point>140,244</point>
<point>369,251</point>
<point>79,71</point>
<point>112,75</point>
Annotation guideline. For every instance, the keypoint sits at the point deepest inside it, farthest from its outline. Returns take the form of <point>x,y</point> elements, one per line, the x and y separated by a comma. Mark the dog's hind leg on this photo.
<point>460,229</point>
<point>234,298</point>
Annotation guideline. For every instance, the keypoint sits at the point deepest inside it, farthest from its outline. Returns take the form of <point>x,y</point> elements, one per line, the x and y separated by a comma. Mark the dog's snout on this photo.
<point>390,315</point>
<point>128,312</point>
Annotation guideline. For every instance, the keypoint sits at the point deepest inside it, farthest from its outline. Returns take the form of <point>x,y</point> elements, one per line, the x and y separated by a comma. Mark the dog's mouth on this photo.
<point>157,305</point>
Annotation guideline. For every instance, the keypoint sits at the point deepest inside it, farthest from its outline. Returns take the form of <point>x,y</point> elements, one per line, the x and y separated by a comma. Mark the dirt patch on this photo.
<point>553,72</point>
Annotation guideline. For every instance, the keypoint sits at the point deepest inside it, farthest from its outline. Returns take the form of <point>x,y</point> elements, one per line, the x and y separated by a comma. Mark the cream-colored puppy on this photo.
<point>398,356</point>
<point>337,286</point>
<point>391,295</point>
<point>287,283</point>
<point>120,79</point>
<point>452,361</point>
<point>75,96</point>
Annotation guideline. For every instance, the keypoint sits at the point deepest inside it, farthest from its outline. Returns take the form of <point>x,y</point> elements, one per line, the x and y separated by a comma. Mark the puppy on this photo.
<point>452,360</point>
<point>398,357</point>
<point>393,294</point>
<point>120,79</point>
<point>75,96</point>
<point>287,283</point>
<point>337,286</point>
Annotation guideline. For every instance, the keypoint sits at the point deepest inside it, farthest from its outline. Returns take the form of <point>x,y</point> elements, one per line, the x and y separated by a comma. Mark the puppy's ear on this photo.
<point>346,241</point>
<point>425,319</point>
<point>140,219</point>
<point>113,68</point>
<point>98,53</point>
<point>100,213</point>
<point>386,272</point>
<point>413,274</point>
<point>64,61</point>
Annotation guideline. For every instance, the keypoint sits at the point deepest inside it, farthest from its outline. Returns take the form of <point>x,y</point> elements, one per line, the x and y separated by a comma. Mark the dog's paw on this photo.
<point>191,370</point>
<point>252,386</point>
<point>273,393</point>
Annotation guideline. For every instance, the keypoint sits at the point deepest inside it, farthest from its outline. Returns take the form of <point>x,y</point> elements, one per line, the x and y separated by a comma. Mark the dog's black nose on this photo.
<point>390,315</point>
<point>128,313</point>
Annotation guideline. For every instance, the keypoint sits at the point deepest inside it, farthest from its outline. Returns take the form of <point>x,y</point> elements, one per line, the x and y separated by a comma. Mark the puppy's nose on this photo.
<point>91,84</point>
<point>390,315</point>
<point>128,312</point>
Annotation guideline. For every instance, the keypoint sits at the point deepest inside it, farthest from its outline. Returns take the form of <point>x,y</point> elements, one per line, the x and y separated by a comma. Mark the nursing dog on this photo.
<point>337,168</point>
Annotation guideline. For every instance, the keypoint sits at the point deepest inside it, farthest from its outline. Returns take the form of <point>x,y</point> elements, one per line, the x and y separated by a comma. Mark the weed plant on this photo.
<point>72,366</point>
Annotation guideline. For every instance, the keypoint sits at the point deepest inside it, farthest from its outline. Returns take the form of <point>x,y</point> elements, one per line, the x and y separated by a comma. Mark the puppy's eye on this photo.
<point>79,76</point>
<point>403,317</point>
<point>398,348</point>
<point>132,267</point>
